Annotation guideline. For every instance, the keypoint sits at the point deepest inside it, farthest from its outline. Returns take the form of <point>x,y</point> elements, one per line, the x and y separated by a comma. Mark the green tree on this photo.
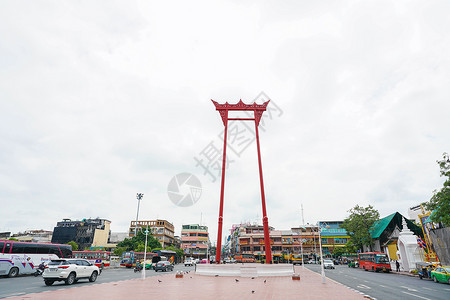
<point>74,245</point>
<point>350,248</point>
<point>134,243</point>
<point>439,203</point>
<point>119,250</point>
<point>358,225</point>
<point>13,239</point>
<point>338,251</point>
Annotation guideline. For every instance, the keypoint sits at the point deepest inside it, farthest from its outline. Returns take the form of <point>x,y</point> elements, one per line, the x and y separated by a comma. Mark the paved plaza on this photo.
<point>193,286</point>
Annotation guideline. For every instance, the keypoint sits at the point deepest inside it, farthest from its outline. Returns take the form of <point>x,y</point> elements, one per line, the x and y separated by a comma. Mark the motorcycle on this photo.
<point>138,268</point>
<point>38,272</point>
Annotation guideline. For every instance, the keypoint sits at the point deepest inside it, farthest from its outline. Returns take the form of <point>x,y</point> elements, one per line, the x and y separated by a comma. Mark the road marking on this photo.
<point>383,285</point>
<point>366,281</point>
<point>416,296</point>
<point>408,288</point>
<point>364,286</point>
<point>427,289</point>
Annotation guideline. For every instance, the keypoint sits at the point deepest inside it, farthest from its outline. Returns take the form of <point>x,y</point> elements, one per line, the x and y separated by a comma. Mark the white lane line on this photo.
<point>383,285</point>
<point>363,286</point>
<point>408,288</point>
<point>366,281</point>
<point>416,296</point>
<point>425,288</point>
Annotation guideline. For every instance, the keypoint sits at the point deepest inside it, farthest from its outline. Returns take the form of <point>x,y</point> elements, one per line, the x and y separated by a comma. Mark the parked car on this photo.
<point>189,262</point>
<point>163,265</point>
<point>229,261</point>
<point>203,261</point>
<point>69,270</point>
<point>312,261</point>
<point>328,264</point>
<point>441,274</point>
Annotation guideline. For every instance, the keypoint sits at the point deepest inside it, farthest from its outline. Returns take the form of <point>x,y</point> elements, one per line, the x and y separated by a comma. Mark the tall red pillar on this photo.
<point>258,110</point>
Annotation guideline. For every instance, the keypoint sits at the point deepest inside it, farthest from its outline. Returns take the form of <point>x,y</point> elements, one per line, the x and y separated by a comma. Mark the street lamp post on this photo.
<point>321,257</point>
<point>301,243</point>
<point>145,253</point>
<point>139,197</point>
<point>321,254</point>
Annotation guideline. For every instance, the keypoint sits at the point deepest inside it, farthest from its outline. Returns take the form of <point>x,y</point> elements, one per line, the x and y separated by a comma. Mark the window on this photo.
<point>2,244</point>
<point>18,248</point>
<point>41,249</point>
<point>340,240</point>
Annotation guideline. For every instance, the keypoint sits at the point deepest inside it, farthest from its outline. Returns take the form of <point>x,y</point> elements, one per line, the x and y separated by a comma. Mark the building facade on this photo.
<point>87,233</point>
<point>249,239</point>
<point>333,236</point>
<point>35,236</point>
<point>162,230</point>
<point>195,240</point>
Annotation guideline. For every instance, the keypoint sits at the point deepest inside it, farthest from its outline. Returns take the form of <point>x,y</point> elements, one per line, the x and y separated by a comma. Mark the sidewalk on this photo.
<point>193,286</point>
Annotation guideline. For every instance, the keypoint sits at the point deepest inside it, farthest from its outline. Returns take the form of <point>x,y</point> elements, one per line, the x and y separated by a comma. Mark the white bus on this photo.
<point>23,258</point>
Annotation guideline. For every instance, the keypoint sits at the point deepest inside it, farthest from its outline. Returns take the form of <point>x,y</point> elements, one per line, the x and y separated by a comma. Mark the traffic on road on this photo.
<point>26,284</point>
<point>385,285</point>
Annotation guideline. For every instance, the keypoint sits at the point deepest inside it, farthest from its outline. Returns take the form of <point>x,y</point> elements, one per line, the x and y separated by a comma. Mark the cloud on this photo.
<point>101,101</point>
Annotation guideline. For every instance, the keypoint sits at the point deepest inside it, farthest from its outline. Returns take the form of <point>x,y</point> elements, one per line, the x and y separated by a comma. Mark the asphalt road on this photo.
<point>386,285</point>
<point>29,284</point>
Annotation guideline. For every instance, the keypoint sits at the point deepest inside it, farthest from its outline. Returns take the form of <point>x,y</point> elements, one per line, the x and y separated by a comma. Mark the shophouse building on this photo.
<point>162,230</point>
<point>249,239</point>
<point>333,236</point>
<point>195,240</point>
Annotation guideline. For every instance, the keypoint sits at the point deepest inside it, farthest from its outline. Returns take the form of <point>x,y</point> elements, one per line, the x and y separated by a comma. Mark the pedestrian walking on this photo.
<point>397,264</point>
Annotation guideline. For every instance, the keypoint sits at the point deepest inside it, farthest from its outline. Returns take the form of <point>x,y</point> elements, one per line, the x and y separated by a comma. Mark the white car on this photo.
<point>189,262</point>
<point>69,270</point>
<point>328,264</point>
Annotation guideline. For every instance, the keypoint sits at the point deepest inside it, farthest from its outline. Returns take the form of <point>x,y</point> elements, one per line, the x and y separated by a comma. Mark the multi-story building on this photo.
<point>333,236</point>
<point>162,230</point>
<point>195,240</point>
<point>88,233</point>
<point>249,239</point>
<point>306,239</point>
<point>36,236</point>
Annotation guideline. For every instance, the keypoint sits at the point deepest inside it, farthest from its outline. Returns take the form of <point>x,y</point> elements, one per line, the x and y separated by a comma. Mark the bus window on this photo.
<point>2,244</point>
<point>7,248</point>
<point>54,250</point>
<point>66,251</point>
<point>42,249</point>
<point>17,248</point>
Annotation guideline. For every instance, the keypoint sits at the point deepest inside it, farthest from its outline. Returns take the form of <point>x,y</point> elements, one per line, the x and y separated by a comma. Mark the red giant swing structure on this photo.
<point>258,110</point>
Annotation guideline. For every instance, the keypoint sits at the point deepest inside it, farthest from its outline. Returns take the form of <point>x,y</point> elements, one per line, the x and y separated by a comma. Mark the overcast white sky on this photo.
<point>100,100</point>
